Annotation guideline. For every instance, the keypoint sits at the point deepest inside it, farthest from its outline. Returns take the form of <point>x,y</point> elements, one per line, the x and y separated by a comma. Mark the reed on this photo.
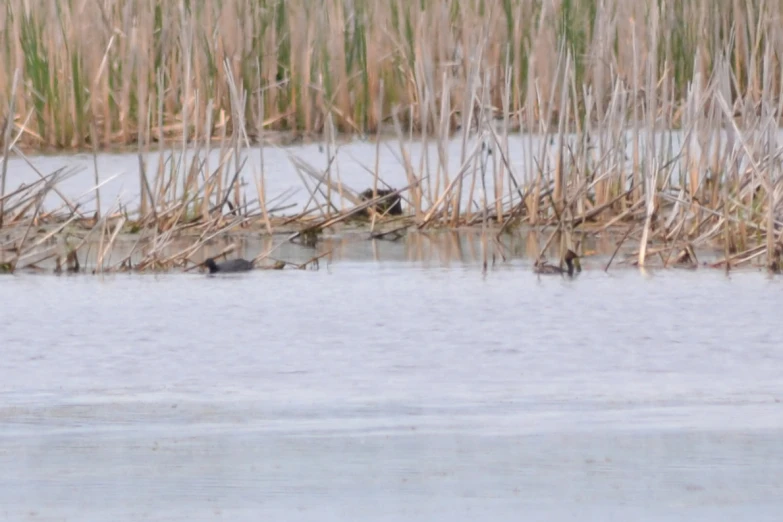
<point>658,120</point>
<point>124,65</point>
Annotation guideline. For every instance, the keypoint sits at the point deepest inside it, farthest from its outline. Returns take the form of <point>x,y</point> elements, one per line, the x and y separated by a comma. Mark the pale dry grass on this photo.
<point>599,86</point>
<point>119,71</point>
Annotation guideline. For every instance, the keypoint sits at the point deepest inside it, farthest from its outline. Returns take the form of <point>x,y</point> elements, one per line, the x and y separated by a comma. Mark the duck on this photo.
<point>234,265</point>
<point>571,260</point>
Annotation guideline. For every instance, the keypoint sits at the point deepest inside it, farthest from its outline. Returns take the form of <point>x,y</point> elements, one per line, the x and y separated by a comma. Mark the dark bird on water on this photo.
<point>234,265</point>
<point>571,260</point>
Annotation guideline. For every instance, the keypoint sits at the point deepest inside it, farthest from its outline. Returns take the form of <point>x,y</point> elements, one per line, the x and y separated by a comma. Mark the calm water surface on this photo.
<point>392,391</point>
<point>353,165</point>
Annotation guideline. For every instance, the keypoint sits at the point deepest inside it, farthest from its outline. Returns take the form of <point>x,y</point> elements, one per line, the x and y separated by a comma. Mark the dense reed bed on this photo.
<point>118,71</point>
<point>658,122</point>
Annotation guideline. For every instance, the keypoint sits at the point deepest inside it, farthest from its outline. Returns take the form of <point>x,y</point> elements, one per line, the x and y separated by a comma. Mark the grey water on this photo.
<point>353,166</point>
<point>392,389</point>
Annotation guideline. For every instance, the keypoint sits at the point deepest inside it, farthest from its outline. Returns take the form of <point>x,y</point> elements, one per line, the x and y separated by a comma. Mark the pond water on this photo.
<point>353,165</point>
<point>392,389</point>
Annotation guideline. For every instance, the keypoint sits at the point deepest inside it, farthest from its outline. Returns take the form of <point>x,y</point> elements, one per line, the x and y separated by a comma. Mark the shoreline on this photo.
<point>129,252</point>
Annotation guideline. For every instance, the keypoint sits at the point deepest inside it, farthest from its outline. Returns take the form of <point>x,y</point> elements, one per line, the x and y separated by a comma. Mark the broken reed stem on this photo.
<point>40,199</point>
<point>7,131</point>
<point>376,170</point>
<point>262,177</point>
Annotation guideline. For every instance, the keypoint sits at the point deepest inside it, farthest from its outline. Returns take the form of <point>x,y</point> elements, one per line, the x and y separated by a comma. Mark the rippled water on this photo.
<point>392,390</point>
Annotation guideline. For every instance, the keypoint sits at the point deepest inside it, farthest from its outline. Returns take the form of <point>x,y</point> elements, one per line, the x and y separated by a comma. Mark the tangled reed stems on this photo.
<point>662,120</point>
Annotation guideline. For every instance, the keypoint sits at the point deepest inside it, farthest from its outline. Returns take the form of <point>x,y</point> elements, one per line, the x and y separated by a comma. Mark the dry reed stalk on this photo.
<point>413,181</point>
<point>117,47</point>
<point>303,166</point>
<point>24,191</point>
<point>426,115</point>
<point>766,179</point>
<point>104,252</point>
<point>331,155</point>
<point>261,179</point>
<point>313,193</point>
<point>208,181</point>
<point>238,98</point>
<point>376,172</point>
<point>206,236</point>
<point>96,174</point>
<point>29,250</point>
<point>503,146</point>
<point>467,123</point>
<point>9,125</point>
<point>73,208</point>
<point>651,163</point>
<point>49,185</point>
<point>443,199</point>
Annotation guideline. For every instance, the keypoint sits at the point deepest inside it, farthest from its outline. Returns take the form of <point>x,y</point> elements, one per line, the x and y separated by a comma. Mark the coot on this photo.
<point>234,265</point>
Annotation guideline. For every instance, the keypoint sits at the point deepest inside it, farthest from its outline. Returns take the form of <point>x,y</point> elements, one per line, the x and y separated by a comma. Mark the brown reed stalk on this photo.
<point>430,67</point>
<point>7,131</point>
<point>261,178</point>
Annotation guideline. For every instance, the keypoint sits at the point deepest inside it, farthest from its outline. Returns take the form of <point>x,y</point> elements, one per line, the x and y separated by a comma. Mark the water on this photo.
<point>392,390</point>
<point>119,172</point>
<point>353,166</point>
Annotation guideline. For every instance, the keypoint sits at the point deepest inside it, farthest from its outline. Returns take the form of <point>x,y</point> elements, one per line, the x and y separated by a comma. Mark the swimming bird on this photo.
<point>234,265</point>
<point>571,260</point>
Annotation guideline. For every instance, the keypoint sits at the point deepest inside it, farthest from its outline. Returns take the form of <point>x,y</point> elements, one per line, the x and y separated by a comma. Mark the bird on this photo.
<point>391,206</point>
<point>546,269</point>
<point>234,265</point>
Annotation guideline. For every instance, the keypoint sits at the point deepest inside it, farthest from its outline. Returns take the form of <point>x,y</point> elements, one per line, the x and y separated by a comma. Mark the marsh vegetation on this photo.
<point>655,122</point>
